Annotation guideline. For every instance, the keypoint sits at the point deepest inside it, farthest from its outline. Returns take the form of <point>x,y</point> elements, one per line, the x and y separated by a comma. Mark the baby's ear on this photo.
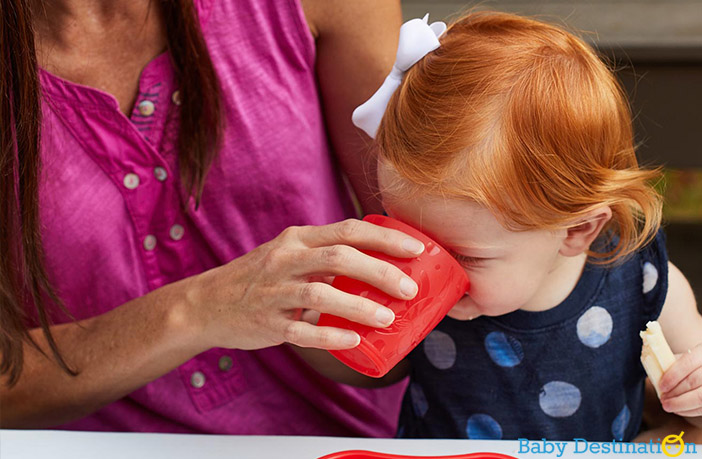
<point>585,231</point>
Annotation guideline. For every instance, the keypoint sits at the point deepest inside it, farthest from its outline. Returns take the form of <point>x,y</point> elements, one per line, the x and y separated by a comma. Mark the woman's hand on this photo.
<point>257,300</point>
<point>681,385</point>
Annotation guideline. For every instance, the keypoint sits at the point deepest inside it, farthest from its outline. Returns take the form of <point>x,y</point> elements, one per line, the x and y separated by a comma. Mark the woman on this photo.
<point>149,192</point>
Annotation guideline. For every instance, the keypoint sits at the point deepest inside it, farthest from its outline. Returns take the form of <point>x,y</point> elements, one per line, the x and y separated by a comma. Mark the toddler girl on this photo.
<point>511,144</point>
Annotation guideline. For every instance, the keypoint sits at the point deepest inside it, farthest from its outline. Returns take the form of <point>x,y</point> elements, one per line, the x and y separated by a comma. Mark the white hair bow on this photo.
<point>417,39</point>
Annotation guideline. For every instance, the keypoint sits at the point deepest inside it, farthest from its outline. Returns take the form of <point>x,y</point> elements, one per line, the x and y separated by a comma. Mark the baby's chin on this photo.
<point>466,309</point>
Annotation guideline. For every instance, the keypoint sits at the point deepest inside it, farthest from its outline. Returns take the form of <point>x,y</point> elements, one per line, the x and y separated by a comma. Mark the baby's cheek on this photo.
<point>495,299</point>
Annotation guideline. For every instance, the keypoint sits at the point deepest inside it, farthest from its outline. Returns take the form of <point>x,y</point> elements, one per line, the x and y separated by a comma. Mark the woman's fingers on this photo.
<point>310,316</point>
<point>304,334</point>
<point>362,235</point>
<point>325,298</point>
<point>347,261</point>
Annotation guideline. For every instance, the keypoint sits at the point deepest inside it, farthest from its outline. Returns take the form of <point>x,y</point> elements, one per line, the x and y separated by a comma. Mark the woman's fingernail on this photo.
<point>408,287</point>
<point>413,246</point>
<point>384,316</point>
<point>351,340</point>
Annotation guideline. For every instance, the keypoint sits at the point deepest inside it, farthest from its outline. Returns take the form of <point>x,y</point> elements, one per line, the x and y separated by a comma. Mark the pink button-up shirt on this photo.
<point>114,229</point>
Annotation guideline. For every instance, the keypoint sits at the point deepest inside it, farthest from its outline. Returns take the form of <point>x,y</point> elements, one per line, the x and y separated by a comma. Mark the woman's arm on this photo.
<point>252,302</point>
<point>115,353</point>
<point>356,45</point>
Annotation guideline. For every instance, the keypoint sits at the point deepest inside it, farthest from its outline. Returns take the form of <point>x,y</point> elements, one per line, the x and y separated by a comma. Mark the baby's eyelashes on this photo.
<point>469,261</point>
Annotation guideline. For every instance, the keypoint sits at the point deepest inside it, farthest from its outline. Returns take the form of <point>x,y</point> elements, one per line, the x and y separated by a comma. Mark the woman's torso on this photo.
<point>114,228</point>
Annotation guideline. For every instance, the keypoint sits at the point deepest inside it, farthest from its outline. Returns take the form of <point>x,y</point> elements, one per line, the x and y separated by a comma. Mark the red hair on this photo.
<point>523,118</point>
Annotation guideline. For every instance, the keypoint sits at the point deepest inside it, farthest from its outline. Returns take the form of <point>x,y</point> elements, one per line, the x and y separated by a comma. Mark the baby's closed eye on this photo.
<point>466,260</point>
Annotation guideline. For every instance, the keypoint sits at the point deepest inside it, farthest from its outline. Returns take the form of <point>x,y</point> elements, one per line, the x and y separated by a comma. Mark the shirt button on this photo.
<point>225,363</point>
<point>131,181</point>
<point>146,108</point>
<point>197,379</point>
<point>150,242</point>
<point>176,232</point>
<point>175,97</point>
<point>160,173</point>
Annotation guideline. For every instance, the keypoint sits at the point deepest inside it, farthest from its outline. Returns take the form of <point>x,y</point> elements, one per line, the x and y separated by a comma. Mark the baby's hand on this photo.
<point>681,385</point>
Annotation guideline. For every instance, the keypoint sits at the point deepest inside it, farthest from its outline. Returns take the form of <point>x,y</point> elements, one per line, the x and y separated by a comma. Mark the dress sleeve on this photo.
<point>653,261</point>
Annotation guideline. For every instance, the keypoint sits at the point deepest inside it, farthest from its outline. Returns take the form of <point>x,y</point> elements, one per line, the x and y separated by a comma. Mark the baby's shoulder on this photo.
<point>640,282</point>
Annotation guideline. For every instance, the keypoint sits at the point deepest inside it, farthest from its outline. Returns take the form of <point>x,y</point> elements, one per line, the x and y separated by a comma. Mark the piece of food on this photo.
<point>656,355</point>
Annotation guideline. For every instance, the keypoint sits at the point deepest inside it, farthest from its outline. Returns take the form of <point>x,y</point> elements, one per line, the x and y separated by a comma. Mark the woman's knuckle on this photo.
<point>291,333</point>
<point>289,233</point>
<point>385,271</point>
<point>274,258</point>
<point>334,256</point>
<point>311,295</point>
<point>324,339</point>
<point>347,229</point>
<point>359,307</point>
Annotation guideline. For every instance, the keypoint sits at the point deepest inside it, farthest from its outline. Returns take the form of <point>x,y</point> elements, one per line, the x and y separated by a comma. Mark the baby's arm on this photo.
<point>681,385</point>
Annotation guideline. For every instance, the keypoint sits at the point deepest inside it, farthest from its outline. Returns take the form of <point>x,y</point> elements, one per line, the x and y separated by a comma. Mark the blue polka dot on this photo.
<point>559,399</point>
<point>594,327</point>
<point>504,350</point>
<point>483,427</point>
<point>440,349</point>
<point>419,400</point>
<point>621,422</point>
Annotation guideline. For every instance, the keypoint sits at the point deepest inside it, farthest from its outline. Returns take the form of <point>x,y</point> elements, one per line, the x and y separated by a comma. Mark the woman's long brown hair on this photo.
<point>23,279</point>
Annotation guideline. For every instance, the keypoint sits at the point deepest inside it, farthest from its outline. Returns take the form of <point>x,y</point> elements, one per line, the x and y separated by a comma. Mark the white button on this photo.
<point>176,232</point>
<point>146,108</point>
<point>160,173</point>
<point>197,380</point>
<point>131,181</point>
<point>175,97</point>
<point>225,363</point>
<point>150,242</point>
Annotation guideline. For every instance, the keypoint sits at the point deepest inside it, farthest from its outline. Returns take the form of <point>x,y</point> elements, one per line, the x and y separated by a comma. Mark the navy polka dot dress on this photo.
<point>570,372</point>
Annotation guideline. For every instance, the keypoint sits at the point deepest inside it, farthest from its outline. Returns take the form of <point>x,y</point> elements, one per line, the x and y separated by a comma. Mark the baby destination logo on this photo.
<point>671,446</point>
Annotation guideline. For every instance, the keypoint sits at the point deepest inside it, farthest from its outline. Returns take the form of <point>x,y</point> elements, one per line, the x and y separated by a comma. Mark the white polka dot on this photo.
<point>594,327</point>
<point>559,399</point>
<point>419,400</point>
<point>440,350</point>
<point>650,276</point>
<point>483,427</point>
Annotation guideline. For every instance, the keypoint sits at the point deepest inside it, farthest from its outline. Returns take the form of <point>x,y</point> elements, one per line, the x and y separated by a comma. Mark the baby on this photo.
<point>511,144</point>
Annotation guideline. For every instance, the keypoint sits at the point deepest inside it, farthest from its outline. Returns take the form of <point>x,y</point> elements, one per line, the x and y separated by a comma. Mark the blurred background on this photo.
<point>656,47</point>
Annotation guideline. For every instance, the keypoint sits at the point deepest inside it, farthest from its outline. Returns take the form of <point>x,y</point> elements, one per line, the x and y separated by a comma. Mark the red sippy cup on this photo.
<point>442,282</point>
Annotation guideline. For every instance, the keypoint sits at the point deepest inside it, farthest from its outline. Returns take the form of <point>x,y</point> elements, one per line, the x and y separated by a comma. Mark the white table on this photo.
<point>38,444</point>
